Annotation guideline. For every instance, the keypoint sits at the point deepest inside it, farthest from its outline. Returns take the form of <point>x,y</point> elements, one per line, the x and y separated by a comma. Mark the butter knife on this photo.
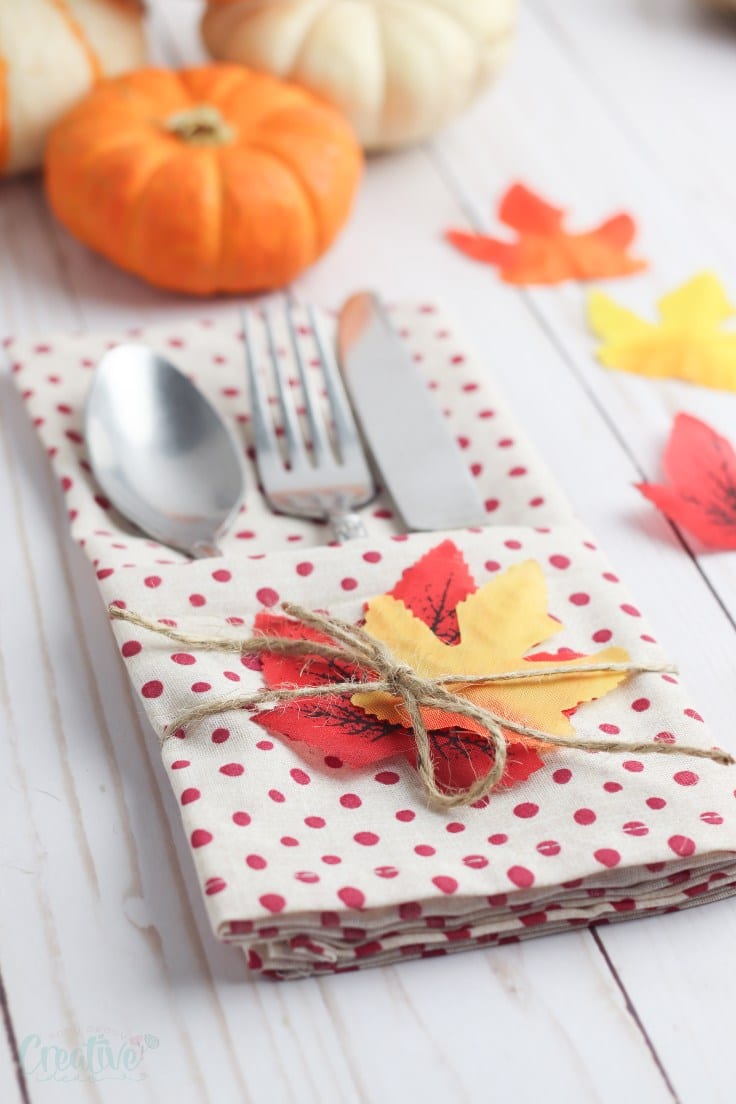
<point>414,450</point>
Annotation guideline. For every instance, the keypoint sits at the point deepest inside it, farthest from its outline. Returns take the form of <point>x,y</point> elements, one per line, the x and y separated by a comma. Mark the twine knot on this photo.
<point>377,670</point>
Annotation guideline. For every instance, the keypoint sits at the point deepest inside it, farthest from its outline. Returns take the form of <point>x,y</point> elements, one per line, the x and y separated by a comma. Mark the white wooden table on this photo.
<point>102,933</point>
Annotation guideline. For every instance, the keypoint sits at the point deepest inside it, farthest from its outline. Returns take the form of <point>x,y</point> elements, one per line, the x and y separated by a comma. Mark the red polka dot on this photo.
<point>348,584</point>
<point>152,581</point>
<point>200,837</point>
<point>641,705</point>
<point>179,764</point>
<point>711,818</point>
<point>686,778</point>
<point>184,659</point>
<point>693,713</point>
<point>424,849</point>
<point>635,828</point>
<point>333,762</point>
<point>350,801</point>
<point>220,735</point>
<point>256,862</point>
<point>386,872</point>
<point>634,766</point>
<point>631,610</point>
<point>372,557</point>
<point>152,689</point>
<point>300,777</point>
<point>197,600</point>
<point>560,562</point>
<point>306,876</point>
<point>584,816</point>
<point>612,787</point>
<point>491,505</point>
<point>607,856</point>
<point>656,802</point>
<point>682,846</point>
<point>609,729</point>
<point>221,575</point>
<point>200,687</point>
<point>475,862</point>
<point>314,822</point>
<point>602,636</point>
<point>520,876</point>
<point>526,810</point>
<point>265,745</point>
<point>351,897</point>
<point>387,778</point>
<point>366,839</point>
<point>190,795</point>
<point>289,841</point>
<point>454,827</point>
<point>267,596</point>
<point>214,885</point>
<point>445,884</point>
<point>498,838</point>
<point>548,847</point>
<point>233,770</point>
<point>410,910</point>
<point>241,818</point>
<point>580,599</point>
<point>276,796</point>
<point>304,568</point>
<point>131,648</point>
<point>562,776</point>
<point>331,860</point>
<point>405,815</point>
<point>665,738</point>
<point>273,902</point>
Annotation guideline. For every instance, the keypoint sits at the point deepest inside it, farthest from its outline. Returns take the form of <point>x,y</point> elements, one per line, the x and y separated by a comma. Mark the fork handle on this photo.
<point>346,526</point>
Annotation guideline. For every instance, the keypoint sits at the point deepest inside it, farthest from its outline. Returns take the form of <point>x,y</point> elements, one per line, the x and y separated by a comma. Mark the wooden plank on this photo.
<point>651,958</point>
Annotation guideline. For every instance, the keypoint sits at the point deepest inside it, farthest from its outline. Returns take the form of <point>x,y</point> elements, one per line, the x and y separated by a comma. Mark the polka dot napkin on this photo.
<point>311,865</point>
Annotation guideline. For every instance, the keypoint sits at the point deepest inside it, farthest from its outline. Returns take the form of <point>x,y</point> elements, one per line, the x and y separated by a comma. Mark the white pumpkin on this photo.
<point>51,53</point>
<point>398,69</point>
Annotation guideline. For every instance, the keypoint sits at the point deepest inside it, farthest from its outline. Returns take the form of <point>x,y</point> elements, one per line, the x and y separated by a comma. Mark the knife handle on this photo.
<point>346,526</point>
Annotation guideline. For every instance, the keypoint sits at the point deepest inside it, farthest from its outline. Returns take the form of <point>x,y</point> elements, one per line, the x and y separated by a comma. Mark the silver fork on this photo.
<point>328,481</point>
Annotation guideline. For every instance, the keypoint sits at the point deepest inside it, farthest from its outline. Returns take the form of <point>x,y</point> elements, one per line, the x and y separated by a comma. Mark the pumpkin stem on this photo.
<point>202,125</point>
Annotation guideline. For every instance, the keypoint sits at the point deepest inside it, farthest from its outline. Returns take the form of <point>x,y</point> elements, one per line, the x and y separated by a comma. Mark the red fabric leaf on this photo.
<point>528,213</point>
<point>434,586</point>
<point>701,468</point>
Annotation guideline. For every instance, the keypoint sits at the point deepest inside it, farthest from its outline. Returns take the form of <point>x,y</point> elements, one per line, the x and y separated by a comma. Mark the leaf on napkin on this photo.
<point>545,252</point>
<point>440,622</point>
<point>687,343</point>
<point>700,467</point>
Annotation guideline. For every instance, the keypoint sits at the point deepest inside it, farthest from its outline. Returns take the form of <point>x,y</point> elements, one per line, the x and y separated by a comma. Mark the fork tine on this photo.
<point>292,431</point>
<point>346,431</point>
<point>317,427</point>
<point>264,437</point>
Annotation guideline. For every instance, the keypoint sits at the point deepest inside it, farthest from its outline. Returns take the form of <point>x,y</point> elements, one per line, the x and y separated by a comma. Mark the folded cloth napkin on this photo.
<point>315,844</point>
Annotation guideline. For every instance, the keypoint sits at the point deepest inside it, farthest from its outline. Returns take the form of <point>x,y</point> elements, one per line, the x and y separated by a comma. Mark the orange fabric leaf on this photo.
<point>545,252</point>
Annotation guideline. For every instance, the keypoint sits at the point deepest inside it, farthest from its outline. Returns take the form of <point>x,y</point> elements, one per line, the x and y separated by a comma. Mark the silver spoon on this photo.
<point>161,452</point>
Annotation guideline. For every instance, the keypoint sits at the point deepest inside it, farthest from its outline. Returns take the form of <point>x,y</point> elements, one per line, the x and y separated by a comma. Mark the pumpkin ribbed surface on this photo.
<point>51,54</point>
<point>210,179</point>
<point>398,69</point>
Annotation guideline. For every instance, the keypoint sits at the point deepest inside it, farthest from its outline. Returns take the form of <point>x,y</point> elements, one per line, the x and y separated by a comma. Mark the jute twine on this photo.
<point>380,672</point>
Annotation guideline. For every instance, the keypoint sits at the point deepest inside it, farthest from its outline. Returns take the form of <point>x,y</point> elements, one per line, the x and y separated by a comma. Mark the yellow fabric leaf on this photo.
<point>688,342</point>
<point>499,624</point>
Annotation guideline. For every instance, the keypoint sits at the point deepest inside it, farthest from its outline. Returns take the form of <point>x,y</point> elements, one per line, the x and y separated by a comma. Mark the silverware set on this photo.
<point>168,462</point>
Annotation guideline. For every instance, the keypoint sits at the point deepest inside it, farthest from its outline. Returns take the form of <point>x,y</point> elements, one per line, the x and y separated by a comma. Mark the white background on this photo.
<point>607,104</point>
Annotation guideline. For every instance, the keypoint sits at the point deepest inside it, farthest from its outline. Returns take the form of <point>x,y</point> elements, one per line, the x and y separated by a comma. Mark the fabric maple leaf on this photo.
<point>700,467</point>
<point>687,343</point>
<point>440,622</point>
<point>545,252</point>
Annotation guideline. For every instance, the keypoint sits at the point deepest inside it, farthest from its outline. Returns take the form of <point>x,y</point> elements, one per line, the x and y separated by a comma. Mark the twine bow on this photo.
<point>381,673</point>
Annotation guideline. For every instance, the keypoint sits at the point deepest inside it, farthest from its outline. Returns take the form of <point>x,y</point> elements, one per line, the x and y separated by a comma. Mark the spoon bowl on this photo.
<point>161,452</point>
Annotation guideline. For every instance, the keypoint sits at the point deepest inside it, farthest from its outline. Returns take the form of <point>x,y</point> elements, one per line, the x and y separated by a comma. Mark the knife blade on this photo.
<point>414,450</point>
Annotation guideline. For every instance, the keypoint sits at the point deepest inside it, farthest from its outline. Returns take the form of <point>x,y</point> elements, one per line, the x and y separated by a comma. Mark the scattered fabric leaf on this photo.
<point>688,343</point>
<point>700,495</point>
<point>545,252</point>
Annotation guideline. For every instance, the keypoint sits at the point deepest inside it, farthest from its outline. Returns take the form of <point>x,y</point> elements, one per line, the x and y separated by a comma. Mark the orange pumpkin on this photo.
<point>210,179</point>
